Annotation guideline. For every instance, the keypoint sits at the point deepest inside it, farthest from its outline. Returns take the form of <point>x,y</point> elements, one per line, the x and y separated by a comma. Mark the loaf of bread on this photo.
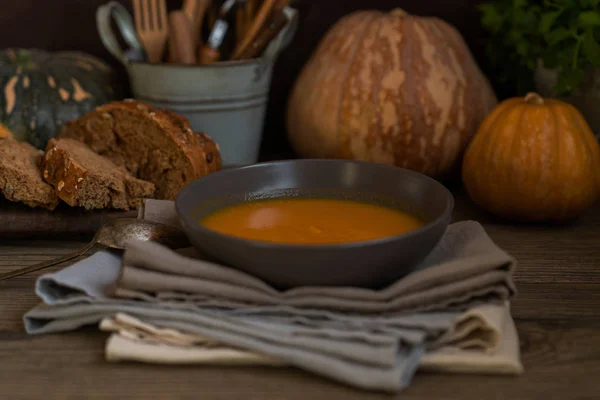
<point>153,144</point>
<point>81,177</point>
<point>20,176</point>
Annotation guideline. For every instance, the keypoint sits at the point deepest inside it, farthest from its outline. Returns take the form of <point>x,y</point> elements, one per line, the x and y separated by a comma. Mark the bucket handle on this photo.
<point>116,10</point>
<point>282,40</point>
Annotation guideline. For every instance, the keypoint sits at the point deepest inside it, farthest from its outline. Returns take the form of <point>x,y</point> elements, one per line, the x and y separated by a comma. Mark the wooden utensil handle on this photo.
<point>181,39</point>
<point>240,24</point>
<point>257,24</point>
<point>208,55</point>
<point>195,11</point>
<point>273,26</point>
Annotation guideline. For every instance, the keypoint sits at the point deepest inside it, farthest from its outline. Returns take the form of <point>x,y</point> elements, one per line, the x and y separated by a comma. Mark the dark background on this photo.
<point>70,25</point>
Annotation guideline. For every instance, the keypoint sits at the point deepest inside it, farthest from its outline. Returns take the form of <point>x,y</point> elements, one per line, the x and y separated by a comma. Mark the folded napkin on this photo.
<point>134,340</point>
<point>167,306</point>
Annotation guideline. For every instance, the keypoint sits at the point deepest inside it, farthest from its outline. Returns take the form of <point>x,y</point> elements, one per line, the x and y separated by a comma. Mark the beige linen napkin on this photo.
<point>483,340</point>
<point>135,340</point>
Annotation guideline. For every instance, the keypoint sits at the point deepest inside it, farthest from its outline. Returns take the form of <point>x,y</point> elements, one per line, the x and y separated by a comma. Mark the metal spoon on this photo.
<point>115,234</point>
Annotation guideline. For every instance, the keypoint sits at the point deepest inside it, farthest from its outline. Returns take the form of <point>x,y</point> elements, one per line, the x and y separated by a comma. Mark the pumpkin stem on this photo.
<point>534,98</point>
<point>399,12</point>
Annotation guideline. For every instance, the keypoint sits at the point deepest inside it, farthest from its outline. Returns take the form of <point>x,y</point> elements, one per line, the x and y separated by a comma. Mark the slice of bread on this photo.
<point>20,176</point>
<point>83,178</point>
<point>153,144</point>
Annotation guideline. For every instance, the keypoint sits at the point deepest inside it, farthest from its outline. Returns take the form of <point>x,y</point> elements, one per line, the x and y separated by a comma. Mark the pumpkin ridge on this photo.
<point>384,94</point>
<point>420,117</point>
<point>401,157</point>
<point>495,133</point>
<point>377,87</point>
<point>342,88</point>
<point>557,137</point>
<point>543,172</point>
<point>583,133</point>
<point>471,68</point>
<point>487,154</point>
<point>427,34</point>
<point>515,149</point>
<point>411,52</point>
<point>445,54</point>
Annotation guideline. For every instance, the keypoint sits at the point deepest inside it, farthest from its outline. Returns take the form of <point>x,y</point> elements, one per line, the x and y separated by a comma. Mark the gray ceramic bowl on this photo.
<point>372,264</point>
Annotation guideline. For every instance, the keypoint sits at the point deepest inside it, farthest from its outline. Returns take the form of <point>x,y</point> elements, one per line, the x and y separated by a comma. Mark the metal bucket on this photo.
<point>226,100</point>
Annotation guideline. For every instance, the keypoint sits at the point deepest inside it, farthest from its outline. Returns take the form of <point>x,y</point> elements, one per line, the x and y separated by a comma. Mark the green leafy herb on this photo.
<point>563,34</point>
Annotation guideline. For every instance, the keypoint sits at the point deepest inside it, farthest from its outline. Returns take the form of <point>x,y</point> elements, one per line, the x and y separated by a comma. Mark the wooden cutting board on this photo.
<point>18,220</point>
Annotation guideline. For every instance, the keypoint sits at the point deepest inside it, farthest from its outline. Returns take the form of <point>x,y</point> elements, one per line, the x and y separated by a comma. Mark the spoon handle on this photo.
<point>47,264</point>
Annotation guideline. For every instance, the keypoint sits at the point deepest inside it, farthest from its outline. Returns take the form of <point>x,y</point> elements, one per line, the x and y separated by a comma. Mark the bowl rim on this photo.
<point>445,215</point>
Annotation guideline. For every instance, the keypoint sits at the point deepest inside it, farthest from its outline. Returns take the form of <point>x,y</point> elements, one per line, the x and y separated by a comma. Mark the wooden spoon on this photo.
<point>195,11</point>
<point>181,39</point>
<point>115,234</point>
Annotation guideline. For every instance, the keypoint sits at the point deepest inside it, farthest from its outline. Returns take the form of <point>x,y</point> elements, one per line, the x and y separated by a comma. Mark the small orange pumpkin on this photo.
<point>533,159</point>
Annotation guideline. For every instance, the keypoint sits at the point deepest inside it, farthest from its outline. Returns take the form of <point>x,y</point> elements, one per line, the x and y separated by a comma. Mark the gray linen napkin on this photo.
<point>366,338</point>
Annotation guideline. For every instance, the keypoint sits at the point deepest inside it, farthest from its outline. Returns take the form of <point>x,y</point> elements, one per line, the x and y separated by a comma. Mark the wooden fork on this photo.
<point>151,25</point>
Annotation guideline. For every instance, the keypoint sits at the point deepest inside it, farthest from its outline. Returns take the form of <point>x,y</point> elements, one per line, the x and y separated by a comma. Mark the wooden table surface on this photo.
<point>557,311</point>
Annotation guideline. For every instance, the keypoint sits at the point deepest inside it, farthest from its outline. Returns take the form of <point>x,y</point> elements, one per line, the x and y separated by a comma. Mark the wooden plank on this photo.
<point>558,302</point>
<point>561,362</point>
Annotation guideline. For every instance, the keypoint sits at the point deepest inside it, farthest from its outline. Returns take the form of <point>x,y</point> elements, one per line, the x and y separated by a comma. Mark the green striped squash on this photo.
<point>42,90</point>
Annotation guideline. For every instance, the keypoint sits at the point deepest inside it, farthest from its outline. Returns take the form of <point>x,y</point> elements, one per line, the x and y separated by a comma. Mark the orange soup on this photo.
<point>310,221</point>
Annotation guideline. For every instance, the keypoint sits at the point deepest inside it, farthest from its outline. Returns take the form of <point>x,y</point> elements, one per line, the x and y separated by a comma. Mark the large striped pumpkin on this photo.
<point>391,88</point>
<point>42,90</point>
